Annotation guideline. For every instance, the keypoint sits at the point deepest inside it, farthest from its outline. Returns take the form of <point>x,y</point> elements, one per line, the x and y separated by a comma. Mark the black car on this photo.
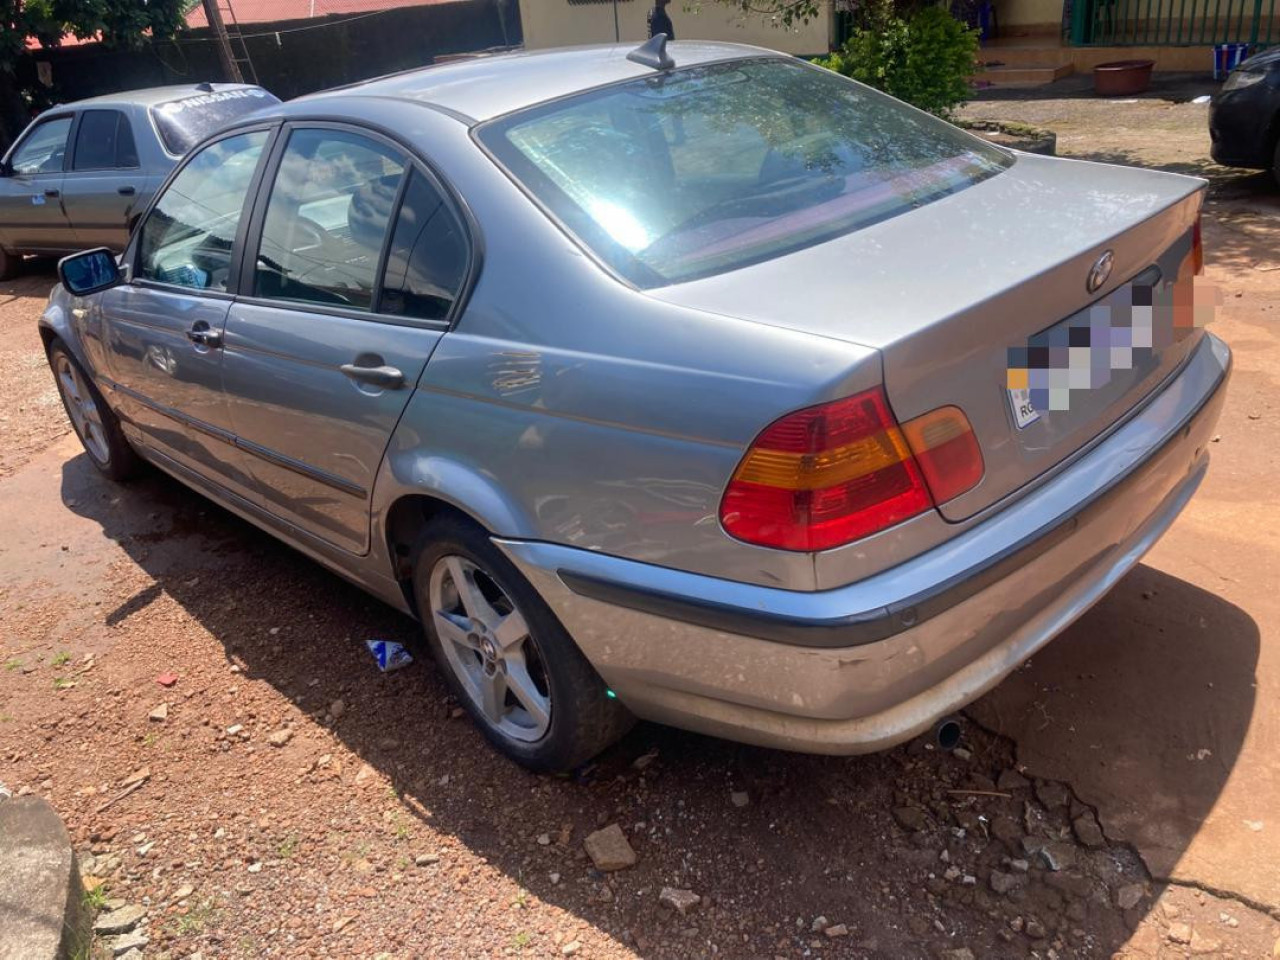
<point>1244,117</point>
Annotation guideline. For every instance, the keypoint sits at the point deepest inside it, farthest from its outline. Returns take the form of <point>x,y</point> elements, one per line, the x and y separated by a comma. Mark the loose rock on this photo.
<point>280,738</point>
<point>960,953</point>
<point>836,930</point>
<point>609,849</point>
<point>739,798</point>
<point>1179,932</point>
<point>1004,882</point>
<point>1130,895</point>
<point>1011,780</point>
<point>160,714</point>
<point>1087,830</point>
<point>119,921</point>
<point>910,818</point>
<point>682,901</point>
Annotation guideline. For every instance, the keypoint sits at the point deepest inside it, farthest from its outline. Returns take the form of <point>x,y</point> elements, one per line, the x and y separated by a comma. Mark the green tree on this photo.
<point>119,23</point>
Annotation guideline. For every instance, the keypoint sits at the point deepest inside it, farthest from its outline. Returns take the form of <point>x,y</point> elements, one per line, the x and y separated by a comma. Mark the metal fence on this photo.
<point>1174,22</point>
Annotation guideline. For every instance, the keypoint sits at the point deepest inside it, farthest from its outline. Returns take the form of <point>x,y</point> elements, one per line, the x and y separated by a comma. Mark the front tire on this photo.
<point>93,421</point>
<point>505,656</point>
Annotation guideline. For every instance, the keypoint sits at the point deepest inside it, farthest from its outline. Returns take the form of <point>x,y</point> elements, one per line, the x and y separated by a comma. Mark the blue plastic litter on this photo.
<point>389,654</point>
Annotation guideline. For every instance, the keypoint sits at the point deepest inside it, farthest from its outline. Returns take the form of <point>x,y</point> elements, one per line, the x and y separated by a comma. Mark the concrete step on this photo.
<point>1024,75</point>
<point>1024,55</point>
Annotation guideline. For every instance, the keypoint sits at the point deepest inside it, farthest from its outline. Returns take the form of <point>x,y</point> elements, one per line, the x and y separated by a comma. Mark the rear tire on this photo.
<point>93,421</point>
<point>8,264</point>
<point>505,656</point>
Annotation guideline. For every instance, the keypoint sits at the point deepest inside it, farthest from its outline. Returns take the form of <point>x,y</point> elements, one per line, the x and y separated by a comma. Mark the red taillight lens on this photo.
<point>825,476</point>
<point>1197,249</point>
<point>947,451</point>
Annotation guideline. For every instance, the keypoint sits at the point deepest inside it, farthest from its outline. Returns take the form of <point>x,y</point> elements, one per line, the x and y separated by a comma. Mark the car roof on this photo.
<point>151,96</point>
<point>486,87</point>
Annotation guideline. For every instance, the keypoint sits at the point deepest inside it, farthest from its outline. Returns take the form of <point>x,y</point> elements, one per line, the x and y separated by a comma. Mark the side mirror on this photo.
<point>6,169</point>
<point>89,272</point>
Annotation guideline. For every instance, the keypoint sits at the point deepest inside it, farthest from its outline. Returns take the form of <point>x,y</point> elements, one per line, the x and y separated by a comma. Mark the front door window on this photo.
<point>43,149</point>
<point>187,238</point>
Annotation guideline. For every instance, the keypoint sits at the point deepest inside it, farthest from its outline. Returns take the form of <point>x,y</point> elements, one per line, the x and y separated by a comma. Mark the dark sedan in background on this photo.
<point>81,173</point>
<point>1244,118</point>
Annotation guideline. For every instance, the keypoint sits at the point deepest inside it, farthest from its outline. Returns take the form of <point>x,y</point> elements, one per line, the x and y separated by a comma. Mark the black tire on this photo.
<point>1275,161</point>
<point>9,263</point>
<point>113,456</point>
<point>584,718</point>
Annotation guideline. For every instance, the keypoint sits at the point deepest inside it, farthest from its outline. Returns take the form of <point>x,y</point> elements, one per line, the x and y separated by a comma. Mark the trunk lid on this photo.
<point>957,292</point>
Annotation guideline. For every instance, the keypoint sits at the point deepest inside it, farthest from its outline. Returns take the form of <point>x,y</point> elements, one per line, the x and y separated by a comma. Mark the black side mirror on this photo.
<point>89,272</point>
<point>6,169</point>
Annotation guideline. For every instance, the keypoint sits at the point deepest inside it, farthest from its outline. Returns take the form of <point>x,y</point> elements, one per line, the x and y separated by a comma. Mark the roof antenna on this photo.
<point>653,53</point>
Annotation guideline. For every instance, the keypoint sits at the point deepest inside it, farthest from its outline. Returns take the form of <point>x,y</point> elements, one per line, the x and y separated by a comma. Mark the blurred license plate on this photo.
<point>1024,414</point>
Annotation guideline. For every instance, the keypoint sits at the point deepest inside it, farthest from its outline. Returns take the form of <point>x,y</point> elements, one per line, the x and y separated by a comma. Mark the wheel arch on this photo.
<point>411,509</point>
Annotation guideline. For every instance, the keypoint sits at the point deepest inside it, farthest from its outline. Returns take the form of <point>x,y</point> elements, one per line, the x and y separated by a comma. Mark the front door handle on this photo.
<point>126,191</point>
<point>202,335</point>
<point>52,194</point>
<point>389,378</point>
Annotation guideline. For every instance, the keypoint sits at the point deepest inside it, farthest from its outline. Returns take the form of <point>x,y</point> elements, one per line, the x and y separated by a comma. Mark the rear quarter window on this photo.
<point>184,122</point>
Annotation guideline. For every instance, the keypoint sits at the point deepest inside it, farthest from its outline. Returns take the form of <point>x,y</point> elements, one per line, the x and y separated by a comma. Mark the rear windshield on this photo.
<point>699,171</point>
<point>184,123</point>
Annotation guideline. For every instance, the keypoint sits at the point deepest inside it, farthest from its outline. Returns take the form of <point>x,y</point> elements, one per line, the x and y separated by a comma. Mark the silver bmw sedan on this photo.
<point>690,382</point>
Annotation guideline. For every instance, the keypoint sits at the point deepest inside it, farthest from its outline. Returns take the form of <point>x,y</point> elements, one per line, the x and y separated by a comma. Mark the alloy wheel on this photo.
<point>490,648</point>
<point>85,416</point>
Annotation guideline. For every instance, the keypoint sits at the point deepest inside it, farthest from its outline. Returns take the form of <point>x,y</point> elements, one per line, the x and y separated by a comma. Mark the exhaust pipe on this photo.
<point>946,733</point>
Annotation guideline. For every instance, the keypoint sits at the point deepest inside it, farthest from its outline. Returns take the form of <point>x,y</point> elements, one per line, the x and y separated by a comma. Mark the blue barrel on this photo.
<point>1226,57</point>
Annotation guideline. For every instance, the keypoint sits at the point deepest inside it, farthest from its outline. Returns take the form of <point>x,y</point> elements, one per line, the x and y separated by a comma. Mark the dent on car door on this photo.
<point>102,187</point>
<point>164,327</point>
<point>31,213</point>
<point>352,280</point>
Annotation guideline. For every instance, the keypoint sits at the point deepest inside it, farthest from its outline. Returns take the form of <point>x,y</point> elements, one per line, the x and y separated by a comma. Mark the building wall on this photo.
<point>559,23</point>
<point>1020,13</point>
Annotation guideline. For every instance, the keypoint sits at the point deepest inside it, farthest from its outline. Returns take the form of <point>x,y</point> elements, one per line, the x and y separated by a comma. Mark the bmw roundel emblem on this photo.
<point>1100,271</point>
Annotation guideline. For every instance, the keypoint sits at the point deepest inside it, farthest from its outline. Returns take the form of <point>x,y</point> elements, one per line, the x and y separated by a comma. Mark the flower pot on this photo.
<point>1122,78</point>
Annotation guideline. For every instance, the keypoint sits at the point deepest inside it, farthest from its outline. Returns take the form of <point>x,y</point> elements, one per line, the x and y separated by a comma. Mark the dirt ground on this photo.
<point>1120,795</point>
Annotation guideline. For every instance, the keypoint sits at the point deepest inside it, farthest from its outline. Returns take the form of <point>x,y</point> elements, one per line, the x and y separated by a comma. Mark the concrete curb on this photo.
<point>42,914</point>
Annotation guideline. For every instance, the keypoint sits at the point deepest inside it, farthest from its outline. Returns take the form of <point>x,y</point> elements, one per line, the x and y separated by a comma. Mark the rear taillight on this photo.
<point>827,475</point>
<point>947,451</point>
<point>1197,249</point>
<point>824,476</point>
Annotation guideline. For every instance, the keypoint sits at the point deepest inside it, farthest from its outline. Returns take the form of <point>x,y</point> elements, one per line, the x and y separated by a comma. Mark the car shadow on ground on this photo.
<point>817,835</point>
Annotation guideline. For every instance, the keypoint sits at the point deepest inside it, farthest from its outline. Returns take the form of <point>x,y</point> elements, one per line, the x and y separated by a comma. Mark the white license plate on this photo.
<point>1024,414</point>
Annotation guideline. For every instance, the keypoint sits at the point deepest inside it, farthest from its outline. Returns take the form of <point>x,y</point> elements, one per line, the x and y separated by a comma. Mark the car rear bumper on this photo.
<point>868,665</point>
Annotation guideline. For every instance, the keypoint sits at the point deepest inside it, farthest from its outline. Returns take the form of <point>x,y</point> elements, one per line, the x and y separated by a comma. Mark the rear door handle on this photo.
<point>386,377</point>
<point>127,191</point>
<point>202,335</point>
<point>52,194</point>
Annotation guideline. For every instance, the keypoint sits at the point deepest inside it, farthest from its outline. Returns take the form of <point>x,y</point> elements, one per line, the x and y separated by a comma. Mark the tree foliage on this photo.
<point>118,23</point>
<point>926,57</point>
<point>785,13</point>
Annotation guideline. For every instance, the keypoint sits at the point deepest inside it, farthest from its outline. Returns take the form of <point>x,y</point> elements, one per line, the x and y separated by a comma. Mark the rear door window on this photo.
<point>695,172</point>
<point>327,219</point>
<point>183,123</point>
<point>104,141</point>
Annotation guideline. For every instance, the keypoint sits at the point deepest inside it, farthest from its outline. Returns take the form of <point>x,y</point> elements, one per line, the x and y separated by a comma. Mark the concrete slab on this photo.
<point>41,911</point>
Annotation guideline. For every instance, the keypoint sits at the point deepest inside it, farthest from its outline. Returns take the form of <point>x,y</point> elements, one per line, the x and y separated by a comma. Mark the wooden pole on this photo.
<point>222,42</point>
